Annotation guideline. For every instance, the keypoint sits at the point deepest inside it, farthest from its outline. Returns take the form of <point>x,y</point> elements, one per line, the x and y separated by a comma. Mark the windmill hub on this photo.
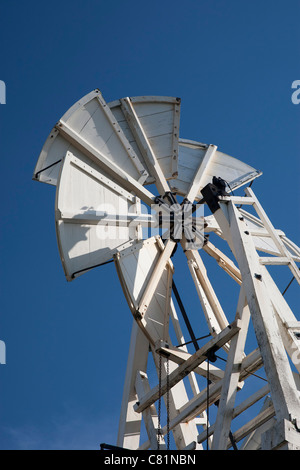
<point>179,221</point>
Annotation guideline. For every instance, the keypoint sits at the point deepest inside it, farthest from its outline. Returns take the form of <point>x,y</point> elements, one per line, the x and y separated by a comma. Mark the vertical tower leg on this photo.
<point>231,378</point>
<point>130,421</point>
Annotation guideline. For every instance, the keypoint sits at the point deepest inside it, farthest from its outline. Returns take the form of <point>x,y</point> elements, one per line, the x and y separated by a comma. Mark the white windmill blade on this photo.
<point>95,216</point>
<point>85,196</point>
<point>197,165</point>
<point>151,125</point>
<point>89,121</point>
<point>145,272</point>
<point>144,145</point>
<point>54,150</point>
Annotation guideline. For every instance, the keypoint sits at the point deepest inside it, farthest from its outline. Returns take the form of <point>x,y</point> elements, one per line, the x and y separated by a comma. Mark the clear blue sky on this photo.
<point>232,62</point>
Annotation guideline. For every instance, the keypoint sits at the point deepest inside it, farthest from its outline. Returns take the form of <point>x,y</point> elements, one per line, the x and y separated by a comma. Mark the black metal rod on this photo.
<point>91,267</point>
<point>189,342</point>
<point>185,317</point>
<point>287,286</point>
<point>47,167</point>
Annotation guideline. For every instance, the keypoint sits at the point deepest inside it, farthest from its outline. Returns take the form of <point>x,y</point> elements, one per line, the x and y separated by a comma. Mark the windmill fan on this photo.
<point>121,169</point>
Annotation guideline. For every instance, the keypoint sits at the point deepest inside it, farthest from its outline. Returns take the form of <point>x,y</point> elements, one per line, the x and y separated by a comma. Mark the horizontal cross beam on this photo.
<point>188,366</point>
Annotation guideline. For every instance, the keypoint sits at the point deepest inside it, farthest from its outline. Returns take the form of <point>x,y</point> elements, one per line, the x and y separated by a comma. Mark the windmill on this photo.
<point>120,171</point>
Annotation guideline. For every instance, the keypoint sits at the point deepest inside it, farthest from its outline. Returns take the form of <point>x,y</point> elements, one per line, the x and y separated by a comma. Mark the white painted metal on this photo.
<point>81,189</point>
<point>130,421</point>
<point>197,182</point>
<point>106,128</point>
<point>260,236</point>
<point>55,148</point>
<point>150,416</point>
<point>151,125</point>
<point>231,378</point>
<point>284,393</point>
<point>212,309</point>
<point>143,142</point>
<point>100,156</point>
<point>194,164</point>
<point>134,269</point>
<point>91,120</point>
<point>188,366</point>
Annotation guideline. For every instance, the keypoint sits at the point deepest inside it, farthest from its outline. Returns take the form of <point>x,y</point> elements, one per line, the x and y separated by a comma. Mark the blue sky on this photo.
<point>232,63</point>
